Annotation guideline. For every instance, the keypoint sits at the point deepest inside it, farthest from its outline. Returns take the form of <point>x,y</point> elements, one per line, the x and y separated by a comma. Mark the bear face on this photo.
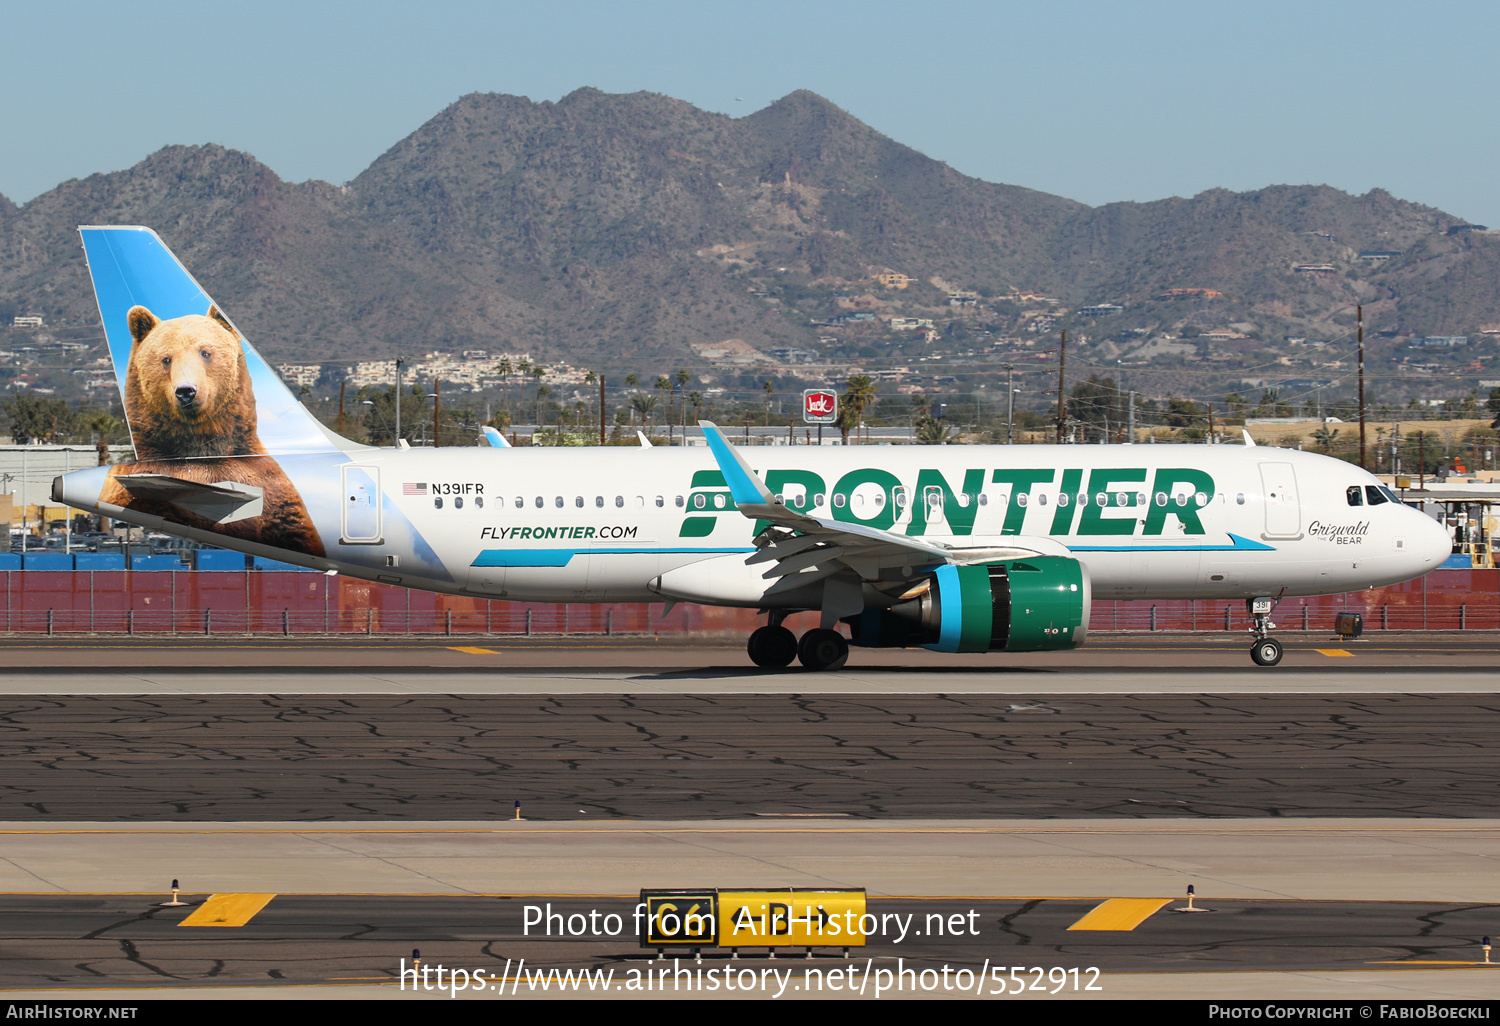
<point>187,388</point>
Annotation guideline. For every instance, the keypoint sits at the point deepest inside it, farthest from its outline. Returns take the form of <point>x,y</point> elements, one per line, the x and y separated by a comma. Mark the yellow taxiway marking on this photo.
<point>1495,965</point>
<point>472,651</point>
<point>1120,914</point>
<point>227,910</point>
<point>1334,652</point>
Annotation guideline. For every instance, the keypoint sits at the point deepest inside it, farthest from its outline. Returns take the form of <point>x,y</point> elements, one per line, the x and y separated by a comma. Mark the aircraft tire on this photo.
<point>772,647</point>
<point>1266,652</point>
<point>823,649</point>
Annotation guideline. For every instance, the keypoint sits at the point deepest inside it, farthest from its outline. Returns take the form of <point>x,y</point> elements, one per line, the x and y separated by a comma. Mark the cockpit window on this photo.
<point>1390,494</point>
<point>1376,495</point>
<point>1355,495</point>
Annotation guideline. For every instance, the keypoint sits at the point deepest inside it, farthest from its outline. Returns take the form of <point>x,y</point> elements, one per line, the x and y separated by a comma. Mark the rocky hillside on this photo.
<point>615,230</point>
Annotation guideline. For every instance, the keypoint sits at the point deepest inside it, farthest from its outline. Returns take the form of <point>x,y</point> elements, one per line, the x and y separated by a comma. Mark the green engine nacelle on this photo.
<point>1020,605</point>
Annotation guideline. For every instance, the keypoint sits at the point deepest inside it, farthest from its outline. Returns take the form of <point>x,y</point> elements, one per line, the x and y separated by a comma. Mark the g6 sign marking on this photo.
<point>680,917</point>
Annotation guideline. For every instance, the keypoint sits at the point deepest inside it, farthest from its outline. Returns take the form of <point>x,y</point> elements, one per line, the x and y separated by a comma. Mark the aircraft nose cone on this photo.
<point>1432,544</point>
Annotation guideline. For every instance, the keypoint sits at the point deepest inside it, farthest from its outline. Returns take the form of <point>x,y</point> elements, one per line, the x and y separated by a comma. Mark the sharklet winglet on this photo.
<point>744,487</point>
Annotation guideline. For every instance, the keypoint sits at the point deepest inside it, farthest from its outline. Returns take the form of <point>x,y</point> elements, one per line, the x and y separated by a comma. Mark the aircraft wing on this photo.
<point>223,502</point>
<point>809,548</point>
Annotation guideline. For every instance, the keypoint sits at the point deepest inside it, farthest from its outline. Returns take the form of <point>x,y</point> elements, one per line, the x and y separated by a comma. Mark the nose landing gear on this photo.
<point>1267,650</point>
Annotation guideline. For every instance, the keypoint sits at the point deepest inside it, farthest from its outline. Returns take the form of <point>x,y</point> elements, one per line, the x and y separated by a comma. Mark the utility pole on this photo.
<point>399,363</point>
<point>1010,401</point>
<point>437,423</point>
<point>1062,409</point>
<point>1131,414</point>
<point>601,409</point>
<point>1360,313</point>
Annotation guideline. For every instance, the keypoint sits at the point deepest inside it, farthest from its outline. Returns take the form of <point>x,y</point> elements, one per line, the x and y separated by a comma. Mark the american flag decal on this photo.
<point>414,488</point>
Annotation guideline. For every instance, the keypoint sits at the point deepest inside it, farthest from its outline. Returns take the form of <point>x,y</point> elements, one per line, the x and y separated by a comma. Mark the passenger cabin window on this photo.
<point>598,502</point>
<point>578,501</point>
<point>1239,498</point>
<point>540,502</point>
<point>1355,495</point>
<point>1376,495</point>
<point>437,503</point>
<point>479,501</point>
<point>660,502</point>
<point>679,500</point>
<point>558,502</point>
<point>619,502</point>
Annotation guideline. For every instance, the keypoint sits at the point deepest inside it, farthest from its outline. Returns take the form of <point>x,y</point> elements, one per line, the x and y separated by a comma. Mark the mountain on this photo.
<point>615,230</point>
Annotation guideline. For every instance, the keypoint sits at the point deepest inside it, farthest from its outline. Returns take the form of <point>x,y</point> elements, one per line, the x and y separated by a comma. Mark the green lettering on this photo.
<point>885,513</point>
<point>776,482</point>
<point>1093,520</point>
<point>960,518</point>
<point>1166,481</point>
<point>1021,483</point>
<point>1062,520</point>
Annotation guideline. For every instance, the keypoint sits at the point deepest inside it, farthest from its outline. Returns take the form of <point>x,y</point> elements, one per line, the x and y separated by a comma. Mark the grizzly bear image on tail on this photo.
<point>191,408</point>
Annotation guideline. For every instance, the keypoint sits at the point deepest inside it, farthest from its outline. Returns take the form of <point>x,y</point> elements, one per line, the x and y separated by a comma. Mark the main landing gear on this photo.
<point>1267,650</point>
<point>773,646</point>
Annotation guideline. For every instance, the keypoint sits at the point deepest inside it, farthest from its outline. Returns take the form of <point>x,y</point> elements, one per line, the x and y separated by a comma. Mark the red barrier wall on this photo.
<point>298,603</point>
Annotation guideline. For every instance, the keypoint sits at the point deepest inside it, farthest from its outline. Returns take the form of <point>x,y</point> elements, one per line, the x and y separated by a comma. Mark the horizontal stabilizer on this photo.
<point>223,502</point>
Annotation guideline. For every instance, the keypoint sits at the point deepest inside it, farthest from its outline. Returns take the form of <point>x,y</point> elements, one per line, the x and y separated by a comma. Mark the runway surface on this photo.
<point>373,656</point>
<point>88,940</point>
<point>308,758</point>
<point>1355,772</point>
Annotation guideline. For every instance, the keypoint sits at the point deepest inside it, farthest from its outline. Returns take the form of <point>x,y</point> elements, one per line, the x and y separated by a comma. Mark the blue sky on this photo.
<point>1094,101</point>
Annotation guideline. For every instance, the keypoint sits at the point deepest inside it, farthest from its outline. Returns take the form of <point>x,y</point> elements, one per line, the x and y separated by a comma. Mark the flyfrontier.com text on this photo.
<point>855,980</point>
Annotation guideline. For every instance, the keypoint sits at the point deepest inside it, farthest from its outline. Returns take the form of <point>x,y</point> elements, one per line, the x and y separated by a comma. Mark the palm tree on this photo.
<point>859,395</point>
<point>680,379</point>
<point>645,405</point>
<point>931,431</point>
<point>542,392</point>
<point>696,399</point>
<point>538,372</point>
<point>664,386</point>
<point>505,370</point>
<point>770,390</point>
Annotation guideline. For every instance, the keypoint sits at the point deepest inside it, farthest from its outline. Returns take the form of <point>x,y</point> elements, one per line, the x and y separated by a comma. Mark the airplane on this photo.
<point>951,548</point>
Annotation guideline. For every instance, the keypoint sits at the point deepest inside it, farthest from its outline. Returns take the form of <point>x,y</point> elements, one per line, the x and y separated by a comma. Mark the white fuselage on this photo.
<point>622,524</point>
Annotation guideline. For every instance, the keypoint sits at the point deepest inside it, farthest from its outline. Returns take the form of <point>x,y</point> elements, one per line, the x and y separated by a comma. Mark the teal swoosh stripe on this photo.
<point>562,557</point>
<point>1237,544</point>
